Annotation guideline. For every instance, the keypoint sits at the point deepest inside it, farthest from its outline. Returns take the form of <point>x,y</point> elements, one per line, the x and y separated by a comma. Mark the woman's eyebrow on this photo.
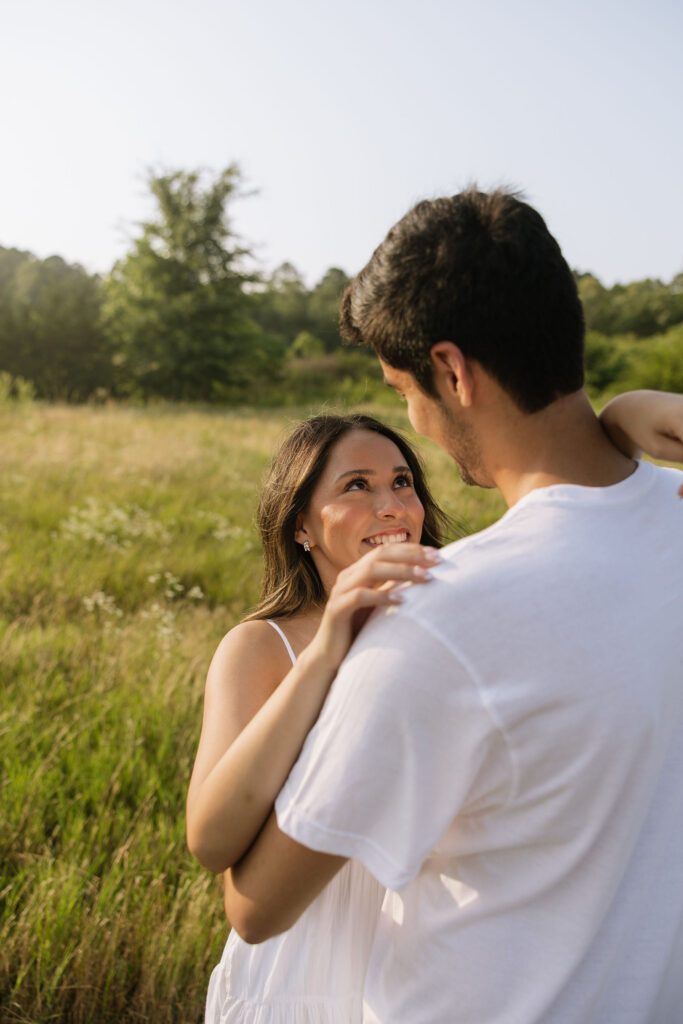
<point>370,472</point>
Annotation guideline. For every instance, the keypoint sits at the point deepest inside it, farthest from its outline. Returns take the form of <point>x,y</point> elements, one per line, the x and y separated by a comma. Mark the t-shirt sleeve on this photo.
<point>404,743</point>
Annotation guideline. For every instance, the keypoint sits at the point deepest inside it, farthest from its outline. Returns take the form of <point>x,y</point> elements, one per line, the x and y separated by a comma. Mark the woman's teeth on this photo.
<point>388,538</point>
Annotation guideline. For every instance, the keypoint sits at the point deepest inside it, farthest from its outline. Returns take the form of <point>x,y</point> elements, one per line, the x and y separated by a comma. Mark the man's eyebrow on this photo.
<point>370,472</point>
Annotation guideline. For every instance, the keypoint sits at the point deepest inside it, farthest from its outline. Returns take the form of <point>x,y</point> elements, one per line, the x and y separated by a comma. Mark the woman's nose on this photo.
<point>389,504</point>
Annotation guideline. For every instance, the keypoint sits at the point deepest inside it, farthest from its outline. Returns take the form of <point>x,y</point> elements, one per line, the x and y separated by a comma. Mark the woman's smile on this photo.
<point>389,537</point>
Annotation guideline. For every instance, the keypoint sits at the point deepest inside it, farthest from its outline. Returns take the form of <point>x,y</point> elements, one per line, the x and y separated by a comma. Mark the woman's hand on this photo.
<point>369,583</point>
<point>646,421</point>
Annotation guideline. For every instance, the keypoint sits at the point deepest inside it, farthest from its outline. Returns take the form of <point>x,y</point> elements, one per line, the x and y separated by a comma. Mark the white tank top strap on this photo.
<point>285,641</point>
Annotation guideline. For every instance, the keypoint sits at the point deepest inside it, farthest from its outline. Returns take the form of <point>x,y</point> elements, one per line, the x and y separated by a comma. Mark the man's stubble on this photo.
<point>462,444</point>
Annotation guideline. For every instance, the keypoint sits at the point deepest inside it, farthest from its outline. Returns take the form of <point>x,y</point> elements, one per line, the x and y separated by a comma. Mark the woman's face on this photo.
<point>364,497</point>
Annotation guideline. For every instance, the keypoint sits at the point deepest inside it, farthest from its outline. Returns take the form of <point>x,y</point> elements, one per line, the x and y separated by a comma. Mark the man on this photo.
<point>504,751</point>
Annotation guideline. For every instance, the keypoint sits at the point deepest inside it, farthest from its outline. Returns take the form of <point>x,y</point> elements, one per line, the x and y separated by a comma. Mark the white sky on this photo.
<point>343,115</point>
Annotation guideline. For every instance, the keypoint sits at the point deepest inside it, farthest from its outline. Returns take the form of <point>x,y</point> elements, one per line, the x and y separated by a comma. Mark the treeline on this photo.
<point>634,334</point>
<point>184,317</point>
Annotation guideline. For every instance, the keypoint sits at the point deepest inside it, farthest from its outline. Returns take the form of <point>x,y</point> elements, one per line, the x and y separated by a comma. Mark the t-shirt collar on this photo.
<point>578,494</point>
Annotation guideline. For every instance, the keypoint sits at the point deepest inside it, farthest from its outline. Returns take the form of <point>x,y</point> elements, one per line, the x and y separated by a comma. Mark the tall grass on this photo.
<point>127,550</point>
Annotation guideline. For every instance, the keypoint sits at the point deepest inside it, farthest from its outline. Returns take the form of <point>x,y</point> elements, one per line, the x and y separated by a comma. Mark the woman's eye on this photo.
<point>359,483</point>
<point>403,481</point>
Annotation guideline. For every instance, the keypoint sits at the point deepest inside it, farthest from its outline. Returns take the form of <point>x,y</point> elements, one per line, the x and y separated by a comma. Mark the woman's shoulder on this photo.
<point>255,645</point>
<point>249,663</point>
<point>255,640</point>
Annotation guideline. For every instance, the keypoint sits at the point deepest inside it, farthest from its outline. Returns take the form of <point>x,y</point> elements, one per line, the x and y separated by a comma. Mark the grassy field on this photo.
<point>127,550</point>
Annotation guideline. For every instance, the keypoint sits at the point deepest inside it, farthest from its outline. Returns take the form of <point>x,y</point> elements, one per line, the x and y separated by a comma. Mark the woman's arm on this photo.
<point>245,754</point>
<point>646,421</point>
<point>267,891</point>
<point>246,670</point>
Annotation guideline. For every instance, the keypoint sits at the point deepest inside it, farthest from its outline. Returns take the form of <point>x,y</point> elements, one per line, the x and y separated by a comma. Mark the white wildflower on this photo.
<point>99,602</point>
<point>174,587</point>
<point>115,527</point>
<point>220,527</point>
<point>163,621</point>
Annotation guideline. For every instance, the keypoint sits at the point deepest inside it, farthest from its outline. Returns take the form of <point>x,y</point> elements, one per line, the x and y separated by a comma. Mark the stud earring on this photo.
<point>307,546</point>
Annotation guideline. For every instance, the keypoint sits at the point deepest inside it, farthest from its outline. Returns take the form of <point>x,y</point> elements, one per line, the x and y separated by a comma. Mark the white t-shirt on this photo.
<point>504,751</point>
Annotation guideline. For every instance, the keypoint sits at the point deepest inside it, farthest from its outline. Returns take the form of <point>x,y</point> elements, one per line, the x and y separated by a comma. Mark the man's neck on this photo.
<point>562,444</point>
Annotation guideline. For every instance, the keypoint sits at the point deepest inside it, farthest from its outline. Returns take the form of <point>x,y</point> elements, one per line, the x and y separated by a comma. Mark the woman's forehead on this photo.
<point>363,449</point>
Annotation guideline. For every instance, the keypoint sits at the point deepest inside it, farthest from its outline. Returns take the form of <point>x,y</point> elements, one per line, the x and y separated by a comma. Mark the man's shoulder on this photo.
<point>560,533</point>
<point>494,545</point>
<point>542,516</point>
<point>465,584</point>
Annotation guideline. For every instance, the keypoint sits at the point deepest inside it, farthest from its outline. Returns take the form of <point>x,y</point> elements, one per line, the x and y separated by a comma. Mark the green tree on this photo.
<point>307,346</point>
<point>597,306</point>
<point>281,307</point>
<point>641,308</point>
<point>605,361</point>
<point>286,308</point>
<point>50,326</point>
<point>10,262</point>
<point>176,306</point>
<point>323,307</point>
<point>658,362</point>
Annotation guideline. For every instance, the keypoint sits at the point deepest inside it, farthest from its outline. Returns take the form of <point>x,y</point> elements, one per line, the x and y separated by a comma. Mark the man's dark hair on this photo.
<point>483,271</point>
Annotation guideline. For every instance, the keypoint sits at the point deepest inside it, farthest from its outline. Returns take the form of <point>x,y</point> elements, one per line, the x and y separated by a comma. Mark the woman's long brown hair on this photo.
<point>290,579</point>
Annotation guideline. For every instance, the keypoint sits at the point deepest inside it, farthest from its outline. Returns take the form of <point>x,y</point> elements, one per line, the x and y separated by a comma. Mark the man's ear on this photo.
<point>452,372</point>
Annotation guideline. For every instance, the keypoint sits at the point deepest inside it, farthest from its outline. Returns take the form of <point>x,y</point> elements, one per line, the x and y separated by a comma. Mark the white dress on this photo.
<point>314,973</point>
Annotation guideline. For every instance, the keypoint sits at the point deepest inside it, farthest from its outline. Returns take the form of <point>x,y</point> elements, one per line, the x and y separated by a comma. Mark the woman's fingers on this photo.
<point>370,592</point>
<point>370,597</point>
<point>371,582</point>
<point>374,580</point>
<point>403,553</point>
<point>385,571</point>
<point>407,566</point>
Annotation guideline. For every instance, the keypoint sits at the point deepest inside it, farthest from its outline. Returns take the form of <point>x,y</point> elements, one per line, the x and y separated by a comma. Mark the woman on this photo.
<point>345,518</point>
